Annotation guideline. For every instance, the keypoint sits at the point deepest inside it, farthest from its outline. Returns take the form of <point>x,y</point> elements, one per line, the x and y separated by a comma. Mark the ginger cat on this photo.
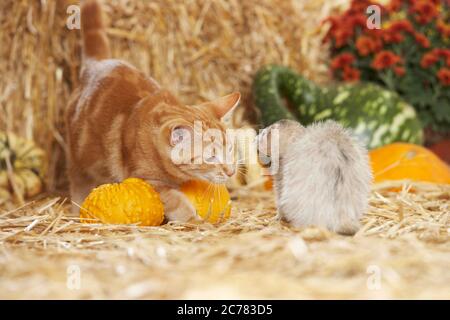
<point>121,124</point>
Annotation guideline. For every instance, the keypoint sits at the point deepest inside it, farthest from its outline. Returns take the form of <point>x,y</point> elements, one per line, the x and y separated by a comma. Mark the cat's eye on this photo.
<point>179,134</point>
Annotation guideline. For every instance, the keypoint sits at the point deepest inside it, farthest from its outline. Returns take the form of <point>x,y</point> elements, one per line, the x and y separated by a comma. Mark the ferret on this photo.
<point>323,175</point>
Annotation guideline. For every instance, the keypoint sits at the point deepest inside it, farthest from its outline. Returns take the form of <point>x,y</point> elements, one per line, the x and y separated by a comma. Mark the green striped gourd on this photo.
<point>377,116</point>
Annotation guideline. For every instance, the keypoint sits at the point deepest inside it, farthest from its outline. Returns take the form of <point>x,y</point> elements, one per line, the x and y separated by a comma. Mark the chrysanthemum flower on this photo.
<point>444,76</point>
<point>425,11</point>
<point>385,59</point>
<point>392,36</point>
<point>429,59</point>
<point>401,25</point>
<point>422,40</point>
<point>342,60</point>
<point>400,71</point>
<point>364,45</point>
<point>443,28</point>
<point>351,74</point>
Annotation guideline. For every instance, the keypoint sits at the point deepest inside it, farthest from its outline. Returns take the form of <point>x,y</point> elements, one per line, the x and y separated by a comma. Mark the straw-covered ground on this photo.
<point>199,49</point>
<point>402,251</point>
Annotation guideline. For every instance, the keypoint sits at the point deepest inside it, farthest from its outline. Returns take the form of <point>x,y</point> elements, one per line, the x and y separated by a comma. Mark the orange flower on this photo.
<point>422,40</point>
<point>425,11</point>
<point>364,45</point>
<point>385,59</point>
<point>442,53</point>
<point>390,36</point>
<point>443,28</point>
<point>401,25</point>
<point>394,5</point>
<point>368,44</point>
<point>429,59</point>
<point>444,76</point>
<point>358,20</point>
<point>377,44</point>
<point>351,74</point>
<point>359,6</point>
<point>342,35</point>
<point>343,60</point>
<point>400,71</point>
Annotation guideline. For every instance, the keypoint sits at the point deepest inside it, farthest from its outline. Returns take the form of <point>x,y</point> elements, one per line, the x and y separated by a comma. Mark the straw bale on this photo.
<point>199,49</point>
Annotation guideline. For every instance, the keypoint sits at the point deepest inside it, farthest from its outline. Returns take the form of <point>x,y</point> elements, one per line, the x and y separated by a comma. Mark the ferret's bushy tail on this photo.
<point>95,41</point>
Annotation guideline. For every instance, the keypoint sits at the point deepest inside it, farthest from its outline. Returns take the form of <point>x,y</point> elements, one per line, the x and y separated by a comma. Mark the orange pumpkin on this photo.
<point>400,161</point>
<point>212,201</point>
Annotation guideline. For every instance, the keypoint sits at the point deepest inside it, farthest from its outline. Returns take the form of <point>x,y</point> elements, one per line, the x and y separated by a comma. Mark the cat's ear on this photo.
<point>180,134</point>
<point>222,106</point>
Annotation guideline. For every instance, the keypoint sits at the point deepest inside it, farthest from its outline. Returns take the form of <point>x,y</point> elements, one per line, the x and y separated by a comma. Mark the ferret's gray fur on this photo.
<point>324,175</point>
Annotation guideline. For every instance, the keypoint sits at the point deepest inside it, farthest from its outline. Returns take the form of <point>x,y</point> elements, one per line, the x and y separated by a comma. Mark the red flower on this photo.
<point>385,59</point>
<point>401,25</point>
<point>424,10</point>
<point>422,40</point>
<point>364,45</point>
<point>342,35</point>
<point>429,59</point>
<point>443,28</point>
<point>392,36</point>
<point>359,6</point>
<point>377,44</point>
<point>368,44</point>
<point>400,71</point>
<point>442,53</point>
<point>358,20</point>
<point>444,76</point>
<point>376,35</point>
<point>343,60</point>
<point>351,74</point>
<point>394,5</point>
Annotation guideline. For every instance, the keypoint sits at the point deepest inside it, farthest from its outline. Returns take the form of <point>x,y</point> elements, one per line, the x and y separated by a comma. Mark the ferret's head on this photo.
<point>274,140</point>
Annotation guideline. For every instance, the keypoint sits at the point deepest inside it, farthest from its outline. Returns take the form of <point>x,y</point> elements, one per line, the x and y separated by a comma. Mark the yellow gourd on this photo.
<point>211,201</point>
<point>133,201</point>
<point>22,168</point>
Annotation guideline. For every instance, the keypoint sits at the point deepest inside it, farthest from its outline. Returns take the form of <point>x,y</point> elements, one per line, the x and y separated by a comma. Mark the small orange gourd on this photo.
<point>212,201</point>
<point>401,161</point>
<point>132,201</point>
<point>268,184</point>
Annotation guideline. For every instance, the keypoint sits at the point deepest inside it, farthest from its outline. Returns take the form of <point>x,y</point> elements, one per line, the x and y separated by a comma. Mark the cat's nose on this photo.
<point>229,172</point>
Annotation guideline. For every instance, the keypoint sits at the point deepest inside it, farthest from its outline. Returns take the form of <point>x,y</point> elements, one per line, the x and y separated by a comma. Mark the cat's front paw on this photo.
<point>177,206</point>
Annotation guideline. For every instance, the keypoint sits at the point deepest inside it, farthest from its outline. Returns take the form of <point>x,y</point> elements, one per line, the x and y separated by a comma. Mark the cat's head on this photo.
<point>192,141</point>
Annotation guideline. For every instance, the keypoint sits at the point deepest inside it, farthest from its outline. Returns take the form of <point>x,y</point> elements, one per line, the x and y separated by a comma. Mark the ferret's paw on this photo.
<point>348,229</point>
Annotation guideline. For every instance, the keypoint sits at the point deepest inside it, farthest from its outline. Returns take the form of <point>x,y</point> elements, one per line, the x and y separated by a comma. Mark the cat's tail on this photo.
<point>95,41</point>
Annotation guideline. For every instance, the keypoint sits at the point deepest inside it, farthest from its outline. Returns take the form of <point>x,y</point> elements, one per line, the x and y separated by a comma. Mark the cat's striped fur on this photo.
<point>120,123</point>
